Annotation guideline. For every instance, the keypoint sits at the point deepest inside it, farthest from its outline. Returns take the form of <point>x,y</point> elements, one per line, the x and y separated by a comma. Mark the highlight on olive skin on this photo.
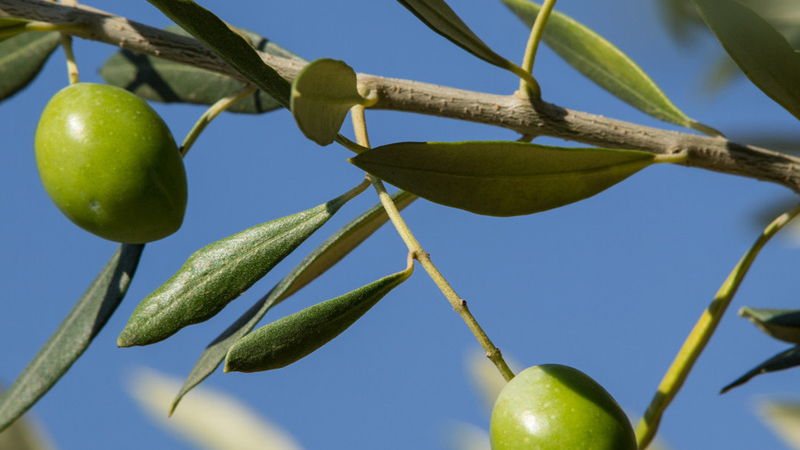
<point>110,164</point>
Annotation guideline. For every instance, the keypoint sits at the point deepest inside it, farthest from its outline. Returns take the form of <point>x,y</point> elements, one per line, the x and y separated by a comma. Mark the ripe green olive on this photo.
<point>110,164</point>
<point>555,407</point>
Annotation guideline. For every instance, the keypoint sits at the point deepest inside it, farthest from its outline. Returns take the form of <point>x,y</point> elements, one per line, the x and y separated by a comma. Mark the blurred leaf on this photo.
<point>166,81</point>
<point>783,324</point>
<point>439,17</point>
<point>783,417</point>
<point>21,59</point>
<point>465,436</point>
<point>220,272</point>
<point>322,95</point>
<point>24,434</point>
<point>763,54</point>
<point>604,64</point>
<point>486,378</point>
<point>73,336</point>
<point>784,360</point>
<point>500,178</point>
<point>296,336</point>
<point>316,263</point>
<point>211,420</point>
<point>227,44</point>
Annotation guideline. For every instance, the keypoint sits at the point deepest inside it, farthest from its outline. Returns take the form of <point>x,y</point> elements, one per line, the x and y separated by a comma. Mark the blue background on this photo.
<point>611,285</point>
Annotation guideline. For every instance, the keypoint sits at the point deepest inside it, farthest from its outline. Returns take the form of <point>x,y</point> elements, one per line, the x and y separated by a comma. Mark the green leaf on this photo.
<point>322,95</point>
<point>501,178</point>
<point>21,59</point>
<point>316,263</point>
<point>220,272</point>
<point>294,337</point>
<point>783,324</point>
<point>73,336</point>
<point>763,54</point>
<point>604,64</point>
<point>784,360</point>
<point>229,45</point>
<point>439,17</point>
<point>166,81</point>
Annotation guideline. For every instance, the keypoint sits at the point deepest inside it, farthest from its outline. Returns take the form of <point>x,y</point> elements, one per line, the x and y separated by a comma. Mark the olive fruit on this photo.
<point>551,407</point>
<point>110,164</point>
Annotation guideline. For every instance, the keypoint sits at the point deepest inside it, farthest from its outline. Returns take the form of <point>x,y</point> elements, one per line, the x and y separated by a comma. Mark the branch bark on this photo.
<point>536,118</point>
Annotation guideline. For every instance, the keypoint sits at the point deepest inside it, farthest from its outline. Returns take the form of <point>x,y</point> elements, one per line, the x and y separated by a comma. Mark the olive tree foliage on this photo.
<point>208,61</point>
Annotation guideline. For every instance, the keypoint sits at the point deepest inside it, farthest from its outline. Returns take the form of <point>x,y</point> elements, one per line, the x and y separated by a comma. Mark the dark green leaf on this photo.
<point>439,17</point>
<point>784,360</point>
<point>763,54</point>
<point>291,338</point>
<point>166,81</point>
<point>783,324</point>
<point>501,178</point>
<point>73,336</point>
<point>322,95</point>
<point>316,263</point>
<point>605,64</point>
<point>21,58</point>
<point>23,434</point>
<point>227,44</point>
<point>220,272</point>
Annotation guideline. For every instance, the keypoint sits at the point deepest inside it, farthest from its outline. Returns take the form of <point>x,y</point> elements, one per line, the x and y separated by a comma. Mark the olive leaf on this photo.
<point>763,54</point>
<point>325,256</point>
<point>500,178</point>
<point>296,336</point>
<point>21,59</point>
<point>782,361</point>
<point>220,272</point>
<point>439,17</point>
<point>783,417</point>
<point>166,81</point>
<point>73,336</point>
<point>322,95</point>
<point>604,64</point>
<point>783,324</point>
<point>228,44</point>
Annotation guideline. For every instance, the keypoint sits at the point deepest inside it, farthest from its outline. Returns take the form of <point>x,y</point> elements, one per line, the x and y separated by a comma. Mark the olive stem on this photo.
<point>414,247</point>
<point>701,333</point>
<point>72,66</point>
<point>537,30</point>
<point>211,113</point>
<point>33,26</point>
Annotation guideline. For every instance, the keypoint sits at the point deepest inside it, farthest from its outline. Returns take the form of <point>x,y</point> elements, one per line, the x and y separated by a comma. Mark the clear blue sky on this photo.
<point>611,285</point>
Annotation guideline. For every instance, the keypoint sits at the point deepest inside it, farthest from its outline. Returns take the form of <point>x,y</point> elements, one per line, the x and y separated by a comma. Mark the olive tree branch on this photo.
<point>529,117</point>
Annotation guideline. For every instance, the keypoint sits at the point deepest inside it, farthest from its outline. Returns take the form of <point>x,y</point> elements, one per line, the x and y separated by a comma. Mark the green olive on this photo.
<point>555,407</point>
<point>110,164</point>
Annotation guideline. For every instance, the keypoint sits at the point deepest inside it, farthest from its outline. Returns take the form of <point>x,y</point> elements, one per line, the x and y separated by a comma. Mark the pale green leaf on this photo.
<point>783,324</point>
<point>220,272</point>
<point>228,44</point>
<point>604,64</point>
<point>439,17</point>
<point>783,417</point>
<point>322,95</point>
<point>73,336</point>
<point>296,336</point>
<point>500,178</point>
<point>336,247</point>
<point>763,54</point>
<point>167,81</point>
<point>21,59</point>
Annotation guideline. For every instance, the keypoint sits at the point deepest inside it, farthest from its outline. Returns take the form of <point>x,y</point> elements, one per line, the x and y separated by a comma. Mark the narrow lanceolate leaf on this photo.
<point>439,17</point>
<point>316,263</point>
<point>21,59</point>
<point>783,324</point>
<point>322,95</point>
<point>73,336</point>
<point>763,54</point>
<point>604,64</point>
<point>229,45</point>
<point>160,80</point>
<point>218,273</point>
<point>294,337</point>
<point>501,178</point>
<point>782,361</point>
